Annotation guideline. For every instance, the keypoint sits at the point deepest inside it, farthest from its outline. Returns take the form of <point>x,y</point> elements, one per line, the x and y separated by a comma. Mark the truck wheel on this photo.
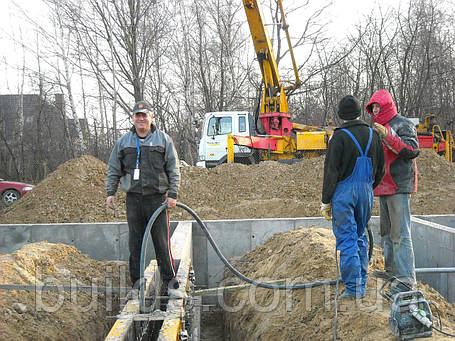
<point>255,157</point>
<point>252,160</point>
<point>10,196</point>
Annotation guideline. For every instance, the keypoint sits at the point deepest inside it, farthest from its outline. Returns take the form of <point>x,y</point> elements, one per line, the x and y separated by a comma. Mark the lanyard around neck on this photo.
<point>138,152</point>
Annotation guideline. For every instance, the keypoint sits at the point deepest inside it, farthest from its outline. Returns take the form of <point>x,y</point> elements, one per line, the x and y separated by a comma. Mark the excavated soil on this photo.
<point>309,314</point>
<point>75,192</point>
<point>46,315</point>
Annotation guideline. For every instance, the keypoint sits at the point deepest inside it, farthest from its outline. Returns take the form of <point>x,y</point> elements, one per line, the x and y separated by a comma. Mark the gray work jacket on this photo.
<point>158,164</point>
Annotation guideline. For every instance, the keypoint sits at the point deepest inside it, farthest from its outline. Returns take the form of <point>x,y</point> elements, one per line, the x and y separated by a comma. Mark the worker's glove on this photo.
<point>326,211</point>
<point>382,131</point>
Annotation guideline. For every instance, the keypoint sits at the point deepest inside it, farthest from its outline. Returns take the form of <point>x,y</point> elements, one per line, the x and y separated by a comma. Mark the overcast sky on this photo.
<point>343,14</point>
<point>346,13</point>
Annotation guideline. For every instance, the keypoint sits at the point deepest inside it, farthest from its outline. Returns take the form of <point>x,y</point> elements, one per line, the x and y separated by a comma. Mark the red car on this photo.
<point>12,191</point>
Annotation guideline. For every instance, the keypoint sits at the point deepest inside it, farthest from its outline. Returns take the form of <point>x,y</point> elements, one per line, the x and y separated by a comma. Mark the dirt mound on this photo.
<point>266,190</point>
<point>436,188</point>
<point>307,255</point>
<point>75,192</point>
<point>30,315</point>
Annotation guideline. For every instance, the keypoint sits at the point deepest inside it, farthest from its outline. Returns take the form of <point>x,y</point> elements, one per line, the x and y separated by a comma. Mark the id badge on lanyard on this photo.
<point>136,172</point>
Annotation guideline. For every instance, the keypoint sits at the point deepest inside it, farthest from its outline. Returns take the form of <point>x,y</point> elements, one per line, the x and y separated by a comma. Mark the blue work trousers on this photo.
<point>395,223</point>
<point>351,210</point>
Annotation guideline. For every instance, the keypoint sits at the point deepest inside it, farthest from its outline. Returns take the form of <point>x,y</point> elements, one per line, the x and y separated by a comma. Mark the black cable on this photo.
<point>442,332</point>
<point>439,321</point>
<point>439,314</point>
<point>258,127</point>
<point>218,252</point>
<point>387,297</point>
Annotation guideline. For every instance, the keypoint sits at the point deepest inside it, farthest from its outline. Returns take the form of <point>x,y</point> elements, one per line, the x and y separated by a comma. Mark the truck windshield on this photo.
<point>219,126</point>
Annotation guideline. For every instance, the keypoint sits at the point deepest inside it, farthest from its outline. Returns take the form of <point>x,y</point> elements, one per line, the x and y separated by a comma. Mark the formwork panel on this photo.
<point>200,262</point>
<point>101,243</point>
<point>233,240</point>
<point>124,328</point>
<point>53,234</point>
<point>434,247</point>
<point>262,230</point>
<point>13,237</point>
<point>442,219</point>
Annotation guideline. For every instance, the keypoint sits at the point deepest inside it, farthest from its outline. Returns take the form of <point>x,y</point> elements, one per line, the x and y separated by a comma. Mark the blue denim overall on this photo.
<point>352,203</point>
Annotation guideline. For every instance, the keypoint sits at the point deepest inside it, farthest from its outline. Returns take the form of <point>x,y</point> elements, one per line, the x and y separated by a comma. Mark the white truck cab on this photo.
<point>215,129</point>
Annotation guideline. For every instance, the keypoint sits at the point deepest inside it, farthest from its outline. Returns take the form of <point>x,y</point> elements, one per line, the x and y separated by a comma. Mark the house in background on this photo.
<point>37,113</point>
<point>48,135</point>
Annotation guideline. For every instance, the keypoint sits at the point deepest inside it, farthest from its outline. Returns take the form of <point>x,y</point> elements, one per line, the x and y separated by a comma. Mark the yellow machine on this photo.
<point>431,136</point>
<point>281,138</point>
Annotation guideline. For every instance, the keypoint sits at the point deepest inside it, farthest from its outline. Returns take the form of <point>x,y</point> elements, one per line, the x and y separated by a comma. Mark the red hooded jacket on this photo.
<point>401,147</point>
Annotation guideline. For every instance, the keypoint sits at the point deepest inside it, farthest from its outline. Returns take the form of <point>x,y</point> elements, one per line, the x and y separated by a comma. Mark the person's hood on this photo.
<point>388,108</point>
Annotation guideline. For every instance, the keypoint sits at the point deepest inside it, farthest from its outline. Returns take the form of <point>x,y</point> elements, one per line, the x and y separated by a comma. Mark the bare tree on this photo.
<point>117,39</point>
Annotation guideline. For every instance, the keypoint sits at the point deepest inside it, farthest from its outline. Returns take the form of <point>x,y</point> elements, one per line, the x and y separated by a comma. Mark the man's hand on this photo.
<point>110,202</point>
<point>382,131</point>
<point>326,211</point>
<point>171,203</point>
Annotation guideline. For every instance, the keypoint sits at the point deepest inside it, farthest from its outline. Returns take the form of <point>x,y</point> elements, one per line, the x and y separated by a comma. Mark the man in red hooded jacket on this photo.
<point>401,147</point>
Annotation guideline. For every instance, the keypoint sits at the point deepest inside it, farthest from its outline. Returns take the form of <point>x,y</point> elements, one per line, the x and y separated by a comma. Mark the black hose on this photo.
<point>145,240</point>
<point>370,242</point>
<point>218,252</point>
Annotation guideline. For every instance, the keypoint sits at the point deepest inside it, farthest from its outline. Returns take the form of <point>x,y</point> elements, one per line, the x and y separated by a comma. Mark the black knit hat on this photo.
<point>349,108</point>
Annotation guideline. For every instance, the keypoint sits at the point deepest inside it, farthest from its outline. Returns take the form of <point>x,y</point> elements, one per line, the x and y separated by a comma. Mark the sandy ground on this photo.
<point>30,315</point>
<point>307,255</point>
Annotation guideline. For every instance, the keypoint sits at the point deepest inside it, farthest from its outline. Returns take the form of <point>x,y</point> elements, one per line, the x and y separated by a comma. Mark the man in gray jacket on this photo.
<point>145,163</point>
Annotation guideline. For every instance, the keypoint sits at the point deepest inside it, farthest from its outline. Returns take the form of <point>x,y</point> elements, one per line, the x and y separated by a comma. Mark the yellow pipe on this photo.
<point>230,149</point>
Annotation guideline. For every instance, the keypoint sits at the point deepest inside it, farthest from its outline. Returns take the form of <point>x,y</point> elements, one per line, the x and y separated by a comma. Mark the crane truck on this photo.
<point>270,134</point>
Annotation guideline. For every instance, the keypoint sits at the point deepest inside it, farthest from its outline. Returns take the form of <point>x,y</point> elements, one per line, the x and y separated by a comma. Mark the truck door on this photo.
<point>218,128</point>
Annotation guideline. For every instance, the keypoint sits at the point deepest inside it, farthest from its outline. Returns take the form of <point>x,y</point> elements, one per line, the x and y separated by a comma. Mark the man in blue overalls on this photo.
<point>354,166</point>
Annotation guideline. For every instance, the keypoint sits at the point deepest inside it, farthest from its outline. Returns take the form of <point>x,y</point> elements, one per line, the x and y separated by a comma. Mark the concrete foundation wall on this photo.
<point>235,238</point>
<point>433,239</point>
<point>100,241</point>
<point>434,245</point>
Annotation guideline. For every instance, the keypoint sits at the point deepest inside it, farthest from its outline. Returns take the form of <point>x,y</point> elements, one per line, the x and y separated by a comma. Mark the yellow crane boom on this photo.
<point>283,139</point>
